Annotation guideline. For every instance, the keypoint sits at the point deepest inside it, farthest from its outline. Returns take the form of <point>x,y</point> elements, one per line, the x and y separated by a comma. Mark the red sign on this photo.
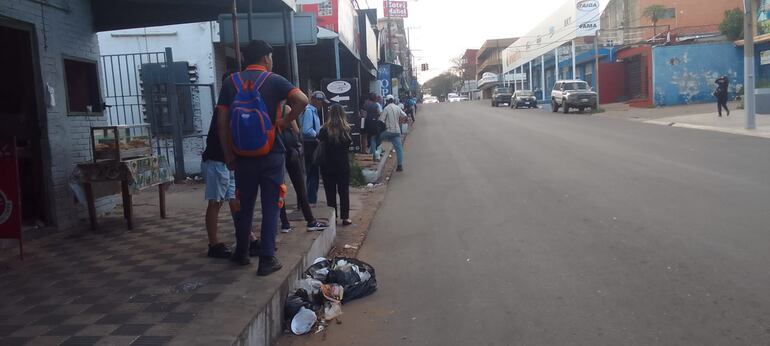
<point>10,211</point>
<point>395,9</point>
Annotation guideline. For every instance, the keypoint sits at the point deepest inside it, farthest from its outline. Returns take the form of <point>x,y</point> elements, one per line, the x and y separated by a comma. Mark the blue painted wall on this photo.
<point>686,74</point>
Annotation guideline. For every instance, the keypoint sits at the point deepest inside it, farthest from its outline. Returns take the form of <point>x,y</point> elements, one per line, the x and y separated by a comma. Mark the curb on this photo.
<point>264,323</point>
<point>742,132</point>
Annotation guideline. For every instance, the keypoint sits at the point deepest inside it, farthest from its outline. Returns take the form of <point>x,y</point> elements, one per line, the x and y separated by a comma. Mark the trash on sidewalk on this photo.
<point>348,246</point>
<point>303,321</point>
<point>326,286</point>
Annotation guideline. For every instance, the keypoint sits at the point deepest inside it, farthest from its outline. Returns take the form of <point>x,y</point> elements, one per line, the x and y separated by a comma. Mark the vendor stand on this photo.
<point>124,154</point>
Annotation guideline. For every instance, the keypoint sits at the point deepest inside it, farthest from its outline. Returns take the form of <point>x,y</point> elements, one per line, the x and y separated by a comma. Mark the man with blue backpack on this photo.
<point>249,119</point>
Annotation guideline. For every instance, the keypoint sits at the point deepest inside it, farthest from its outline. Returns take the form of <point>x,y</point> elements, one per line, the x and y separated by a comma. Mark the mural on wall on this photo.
<point>686,74</point>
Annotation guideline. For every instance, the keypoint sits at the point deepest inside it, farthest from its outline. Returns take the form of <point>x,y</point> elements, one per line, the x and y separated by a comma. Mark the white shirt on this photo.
<point>391,116</point>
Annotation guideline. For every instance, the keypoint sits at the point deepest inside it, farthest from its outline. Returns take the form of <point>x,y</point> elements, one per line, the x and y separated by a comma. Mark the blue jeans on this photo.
<point>395,139</point>
<point>374,143</point>
<point>312,172</point>
<point>251,174</point>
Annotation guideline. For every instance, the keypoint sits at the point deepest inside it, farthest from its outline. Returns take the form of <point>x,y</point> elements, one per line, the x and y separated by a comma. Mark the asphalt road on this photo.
<point>516,227</point>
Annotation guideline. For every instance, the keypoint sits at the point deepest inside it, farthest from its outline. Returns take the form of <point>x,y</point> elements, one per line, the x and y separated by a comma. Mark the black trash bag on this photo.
<point>295,302</point>
<point>357,289</point>
<point>344,278</point>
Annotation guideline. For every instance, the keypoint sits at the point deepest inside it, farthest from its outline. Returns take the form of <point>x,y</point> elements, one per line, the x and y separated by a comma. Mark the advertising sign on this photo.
<point>764,57</point>
<point>588,15</point>
<point>396,9</point>
<point>383,75</point>
<point>263,28</point>
<point>346,93</point>
<point>10,204</point>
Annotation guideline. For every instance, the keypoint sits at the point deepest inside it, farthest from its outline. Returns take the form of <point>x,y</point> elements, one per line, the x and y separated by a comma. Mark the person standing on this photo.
<point>373,126</point>
<point>721,94</point>
<point>335,165</point>
<point>259,162</point>
<point>311,125</point>
<point>294,167</point>
<point>393,117</point>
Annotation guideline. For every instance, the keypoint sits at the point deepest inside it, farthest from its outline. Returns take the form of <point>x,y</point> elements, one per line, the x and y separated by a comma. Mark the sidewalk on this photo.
<point>153,285</point>
<point>699,116</point>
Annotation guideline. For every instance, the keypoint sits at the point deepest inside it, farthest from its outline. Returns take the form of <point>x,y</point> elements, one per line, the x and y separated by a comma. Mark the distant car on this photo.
<point>523,98</point>
<point>452,97</point>
<point>501,95</point>
<point>430,99</point>
<point>568,94</point>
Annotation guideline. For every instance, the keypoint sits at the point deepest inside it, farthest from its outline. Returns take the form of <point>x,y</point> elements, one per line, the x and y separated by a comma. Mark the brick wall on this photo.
<point>60,33</point>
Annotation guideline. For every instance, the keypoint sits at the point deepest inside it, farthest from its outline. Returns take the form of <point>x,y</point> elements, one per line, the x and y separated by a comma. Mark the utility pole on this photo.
<point>596,68</point>
<point>748,64</point>
<point>387,20</point>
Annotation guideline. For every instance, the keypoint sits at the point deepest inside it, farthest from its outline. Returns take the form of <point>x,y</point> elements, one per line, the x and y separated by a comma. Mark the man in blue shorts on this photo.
<point>265,173</point>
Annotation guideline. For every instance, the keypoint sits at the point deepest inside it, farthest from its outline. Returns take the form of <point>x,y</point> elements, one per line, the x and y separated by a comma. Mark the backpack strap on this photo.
<point>237,82</point>
<point>262,79</point>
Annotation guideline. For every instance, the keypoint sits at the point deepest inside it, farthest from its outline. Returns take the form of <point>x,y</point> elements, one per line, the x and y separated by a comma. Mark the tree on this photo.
<point>654,13</point>
<point>732,25</point>
<point>442,84</point>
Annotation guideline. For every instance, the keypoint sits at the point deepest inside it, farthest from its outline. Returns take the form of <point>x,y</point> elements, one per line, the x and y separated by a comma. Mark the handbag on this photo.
<point>319,155</point>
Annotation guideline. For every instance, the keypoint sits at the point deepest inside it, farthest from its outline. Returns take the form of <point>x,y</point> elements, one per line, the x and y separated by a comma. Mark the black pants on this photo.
<point>334,183</point>
<point>294,166</point>
<point>722,103</point>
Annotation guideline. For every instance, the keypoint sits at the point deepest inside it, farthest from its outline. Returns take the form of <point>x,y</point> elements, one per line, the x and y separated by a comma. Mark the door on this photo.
<point>634,77</point>
<point>20,116</point>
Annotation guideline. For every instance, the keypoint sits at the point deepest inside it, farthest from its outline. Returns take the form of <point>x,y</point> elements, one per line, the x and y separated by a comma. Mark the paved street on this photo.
<point>514,227</point>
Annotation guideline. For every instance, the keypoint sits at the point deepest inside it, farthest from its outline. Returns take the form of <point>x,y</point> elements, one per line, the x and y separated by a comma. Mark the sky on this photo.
<point>444,29</point>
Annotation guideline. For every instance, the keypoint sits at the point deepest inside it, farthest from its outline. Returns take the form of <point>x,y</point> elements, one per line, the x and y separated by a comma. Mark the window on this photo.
<point>669,13</point>
<point>82,87</point>
<point>325,9</point>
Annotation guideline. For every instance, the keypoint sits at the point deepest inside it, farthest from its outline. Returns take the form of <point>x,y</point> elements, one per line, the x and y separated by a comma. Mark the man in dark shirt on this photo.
<point>263,172</point>
<point>721,94</point>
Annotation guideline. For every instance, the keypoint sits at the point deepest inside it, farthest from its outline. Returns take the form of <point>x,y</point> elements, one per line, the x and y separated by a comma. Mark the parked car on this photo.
<point>453,97</point>
<point>523,98</point>
<point>568,94</point>
<point>501,95</point>
<point>430,99</point>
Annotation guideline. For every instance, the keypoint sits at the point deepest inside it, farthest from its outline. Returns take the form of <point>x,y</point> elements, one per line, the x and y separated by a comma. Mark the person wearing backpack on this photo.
<point>372,125</point>
<point>249,121</point>
<point>392,116</point>
<point>335,139</point>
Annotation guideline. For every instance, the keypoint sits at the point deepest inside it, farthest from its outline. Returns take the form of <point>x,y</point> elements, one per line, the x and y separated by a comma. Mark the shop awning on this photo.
<point>757,40</point>
<point>126,14</point>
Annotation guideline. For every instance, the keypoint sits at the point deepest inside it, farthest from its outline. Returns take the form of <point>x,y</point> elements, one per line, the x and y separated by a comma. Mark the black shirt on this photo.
<point>213,150</point>
<point>336,156</point>
<point>722,84</point>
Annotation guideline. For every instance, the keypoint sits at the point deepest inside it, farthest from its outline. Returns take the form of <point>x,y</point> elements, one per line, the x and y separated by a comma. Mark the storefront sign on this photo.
<point>396,9</point>
<point>588,15</point>
<point>346,93</point>
<point>10,205</point>
<point>764,57</point>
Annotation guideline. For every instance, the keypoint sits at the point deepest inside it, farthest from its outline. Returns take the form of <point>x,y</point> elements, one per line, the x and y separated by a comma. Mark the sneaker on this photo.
<point>219,251</point>
<point>347,222</point>
<point>399,168</point>
<point>316,225</point>
<point>254,248</point>
<point>286,228</point>
<point>268,265</point>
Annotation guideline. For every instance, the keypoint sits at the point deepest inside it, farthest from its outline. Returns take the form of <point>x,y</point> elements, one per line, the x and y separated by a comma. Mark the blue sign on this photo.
<point>383,76</point>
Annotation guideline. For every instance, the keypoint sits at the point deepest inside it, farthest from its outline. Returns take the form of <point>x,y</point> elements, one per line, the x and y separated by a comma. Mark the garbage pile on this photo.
<point>327,285</point>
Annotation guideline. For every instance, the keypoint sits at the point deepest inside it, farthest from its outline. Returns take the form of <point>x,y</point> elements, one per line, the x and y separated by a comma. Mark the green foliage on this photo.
<point>443,84</point>
<point>356,173</point>
<point>732,24</point>
<point>654,13</point>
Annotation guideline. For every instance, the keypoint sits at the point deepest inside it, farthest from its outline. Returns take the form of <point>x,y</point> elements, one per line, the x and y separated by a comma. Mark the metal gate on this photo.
<point>150,88</point>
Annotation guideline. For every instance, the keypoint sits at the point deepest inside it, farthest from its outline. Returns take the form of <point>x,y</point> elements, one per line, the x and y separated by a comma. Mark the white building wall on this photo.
<point>189,42</point>
<point>60,33</point>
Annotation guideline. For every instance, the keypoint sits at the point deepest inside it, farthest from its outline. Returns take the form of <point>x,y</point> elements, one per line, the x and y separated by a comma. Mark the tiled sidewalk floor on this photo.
<point>117,287</point>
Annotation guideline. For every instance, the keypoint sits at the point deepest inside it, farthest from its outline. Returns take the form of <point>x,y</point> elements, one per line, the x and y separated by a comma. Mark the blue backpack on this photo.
<point>251,131</point>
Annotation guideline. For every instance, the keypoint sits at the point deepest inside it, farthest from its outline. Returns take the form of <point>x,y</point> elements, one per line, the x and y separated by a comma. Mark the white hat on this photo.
<point>389,97</point>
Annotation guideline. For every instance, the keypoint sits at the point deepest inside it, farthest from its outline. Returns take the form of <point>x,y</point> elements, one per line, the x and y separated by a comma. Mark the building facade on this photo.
<point>489,61</point>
